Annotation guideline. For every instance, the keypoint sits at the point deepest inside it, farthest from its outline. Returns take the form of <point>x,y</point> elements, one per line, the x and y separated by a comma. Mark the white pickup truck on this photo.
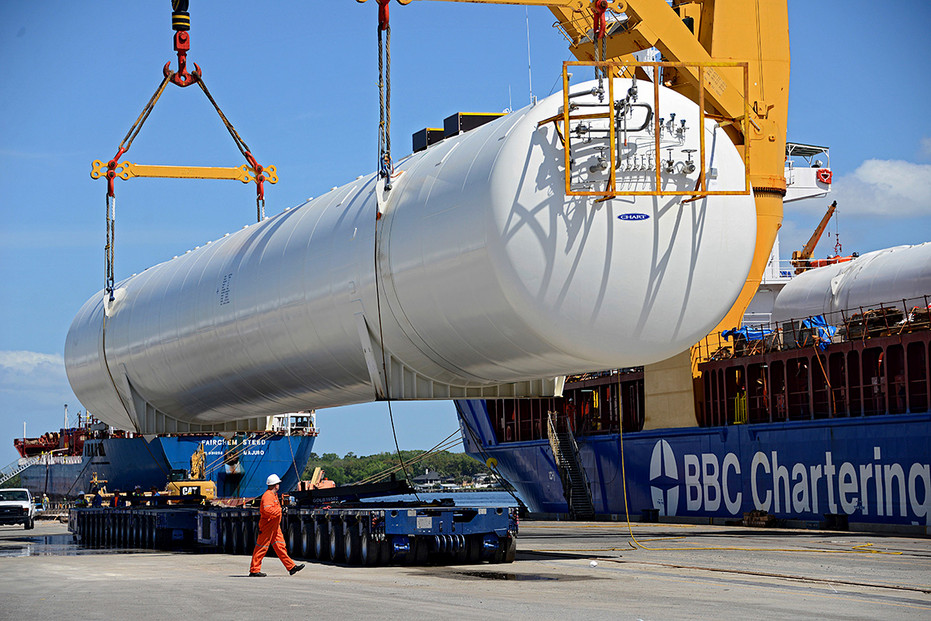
<point>17,506</point>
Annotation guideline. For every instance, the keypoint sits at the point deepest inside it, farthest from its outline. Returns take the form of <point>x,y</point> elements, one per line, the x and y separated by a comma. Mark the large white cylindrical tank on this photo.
<point>889,277</point>
<point>488,274</point>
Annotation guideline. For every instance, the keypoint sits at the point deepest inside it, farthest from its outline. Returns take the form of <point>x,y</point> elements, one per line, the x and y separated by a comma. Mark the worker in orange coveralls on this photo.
<point>270,532</point>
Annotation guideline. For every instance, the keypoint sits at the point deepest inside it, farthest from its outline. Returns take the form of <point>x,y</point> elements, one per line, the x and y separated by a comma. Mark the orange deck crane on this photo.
<point>801,258</point>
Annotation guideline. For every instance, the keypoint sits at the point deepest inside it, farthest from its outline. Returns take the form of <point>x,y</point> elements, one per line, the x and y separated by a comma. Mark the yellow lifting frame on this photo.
<point>621,66</point>
<point>127,170</point>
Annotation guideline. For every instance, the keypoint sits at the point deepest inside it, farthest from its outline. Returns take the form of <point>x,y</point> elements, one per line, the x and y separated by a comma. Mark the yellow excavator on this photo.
<point>195,483</point>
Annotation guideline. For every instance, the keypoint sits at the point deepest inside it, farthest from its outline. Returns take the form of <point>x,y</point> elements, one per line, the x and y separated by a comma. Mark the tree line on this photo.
<point>352,468</point>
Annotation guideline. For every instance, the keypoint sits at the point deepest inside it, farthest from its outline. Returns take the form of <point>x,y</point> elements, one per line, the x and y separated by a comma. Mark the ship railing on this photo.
<point>851,324</point>
<point>11,470</point>
<point>778,270</point>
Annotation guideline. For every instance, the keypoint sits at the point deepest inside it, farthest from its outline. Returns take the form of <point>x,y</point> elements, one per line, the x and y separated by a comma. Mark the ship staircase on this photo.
<point>575,484</point>
<point>10,471</point>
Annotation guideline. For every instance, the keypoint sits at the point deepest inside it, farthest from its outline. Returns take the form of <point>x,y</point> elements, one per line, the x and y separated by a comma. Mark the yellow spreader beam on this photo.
<point>127,170</point>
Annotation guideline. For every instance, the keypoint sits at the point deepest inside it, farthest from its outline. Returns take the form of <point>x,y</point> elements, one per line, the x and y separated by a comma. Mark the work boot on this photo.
<point>256,574</point>
<point>296,569</point>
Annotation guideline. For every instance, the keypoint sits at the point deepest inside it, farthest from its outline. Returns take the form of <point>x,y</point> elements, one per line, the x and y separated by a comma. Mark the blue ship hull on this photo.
<point>239,466</point>
<point>874,469</point>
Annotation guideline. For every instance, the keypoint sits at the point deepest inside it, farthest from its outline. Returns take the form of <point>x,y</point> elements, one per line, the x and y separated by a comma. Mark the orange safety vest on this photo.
<point>269,511</point>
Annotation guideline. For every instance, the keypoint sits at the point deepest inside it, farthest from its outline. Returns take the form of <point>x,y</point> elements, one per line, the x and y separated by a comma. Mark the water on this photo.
<point>53,545</point>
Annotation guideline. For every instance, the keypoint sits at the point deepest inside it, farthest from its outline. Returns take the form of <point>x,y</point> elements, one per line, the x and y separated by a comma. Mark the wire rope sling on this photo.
<point>252,171</point>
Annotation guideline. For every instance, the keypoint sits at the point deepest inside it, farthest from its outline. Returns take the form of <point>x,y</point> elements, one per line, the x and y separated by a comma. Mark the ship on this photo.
<point>92,455</point>
<point>815,411</point>
<point>819,418</point>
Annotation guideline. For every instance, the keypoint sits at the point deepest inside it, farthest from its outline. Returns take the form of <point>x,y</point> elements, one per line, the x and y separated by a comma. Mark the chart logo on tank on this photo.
<point>633,217</point>
<point>664,479</point>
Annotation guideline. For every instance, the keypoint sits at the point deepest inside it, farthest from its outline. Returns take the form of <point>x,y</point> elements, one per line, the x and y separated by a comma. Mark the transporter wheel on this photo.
<point>420,550</point>
<point>236,533</point>
<point>308,549</point>
<point>248,537</point>
<point>352,544</point>
<point>336,540</point>
<point>294,540</point>
<point>229,538</point>
<point>29,524</point>
<point>96,528</point>
<point>321,541</point>
<point>507,550</point>
<point>369,550</point>
<point>150,532</point>
<point>474,549</point>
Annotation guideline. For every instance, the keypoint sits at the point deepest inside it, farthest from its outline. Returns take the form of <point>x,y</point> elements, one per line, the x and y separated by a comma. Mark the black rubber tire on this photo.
<point>322,541</point>
<point>248,537</point>
<point>222,534</point>
<point>336,541</point>
<point>150,533</point>
<point>96,530</point>
<point>420,548</point>
<point>294,540</point>
<point>369,550</point>
<point>307,540</point>
<point>29,524</point>
<point>236,527</point>
<point>511,553</point>
<point>507,550</point>
<point>352,544</point>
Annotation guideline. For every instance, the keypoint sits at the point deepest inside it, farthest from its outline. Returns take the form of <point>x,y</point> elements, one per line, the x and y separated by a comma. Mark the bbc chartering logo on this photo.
<point>709,483</point>
<point>664,479</point>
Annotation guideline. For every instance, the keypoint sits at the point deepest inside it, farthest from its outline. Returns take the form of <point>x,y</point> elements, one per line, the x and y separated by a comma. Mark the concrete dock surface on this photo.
<point>564,570</point>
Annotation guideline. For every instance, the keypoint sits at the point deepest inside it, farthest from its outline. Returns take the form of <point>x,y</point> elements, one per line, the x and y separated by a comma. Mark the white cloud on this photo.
<point>891,188</point>
<point>29,361</point>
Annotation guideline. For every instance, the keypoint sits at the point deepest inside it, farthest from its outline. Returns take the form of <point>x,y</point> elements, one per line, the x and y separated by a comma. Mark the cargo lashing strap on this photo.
<point>252,171</point>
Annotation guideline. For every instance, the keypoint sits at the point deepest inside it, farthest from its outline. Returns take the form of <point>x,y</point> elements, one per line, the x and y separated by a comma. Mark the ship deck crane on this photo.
<point>800,258</point>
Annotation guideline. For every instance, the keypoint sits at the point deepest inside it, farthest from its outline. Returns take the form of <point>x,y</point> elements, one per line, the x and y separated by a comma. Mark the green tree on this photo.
<point>352,468</point>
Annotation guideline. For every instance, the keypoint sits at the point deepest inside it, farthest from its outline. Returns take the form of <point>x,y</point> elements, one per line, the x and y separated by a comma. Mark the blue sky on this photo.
<point>298,81</point>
